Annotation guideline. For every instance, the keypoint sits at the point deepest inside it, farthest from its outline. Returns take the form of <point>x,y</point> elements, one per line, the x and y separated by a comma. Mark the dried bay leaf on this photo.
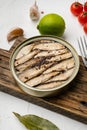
<point>33,122</point>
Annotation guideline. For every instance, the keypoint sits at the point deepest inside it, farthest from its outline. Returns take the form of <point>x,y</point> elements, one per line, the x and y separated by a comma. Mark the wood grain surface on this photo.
<point>71,103</point>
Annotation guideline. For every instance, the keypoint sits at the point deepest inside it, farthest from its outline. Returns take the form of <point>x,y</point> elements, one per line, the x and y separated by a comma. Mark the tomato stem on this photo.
<point>76,3</point>
<point>85,13</point>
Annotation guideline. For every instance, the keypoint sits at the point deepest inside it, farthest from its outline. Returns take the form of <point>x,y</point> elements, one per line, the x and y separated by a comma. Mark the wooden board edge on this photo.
<point>44,104</point>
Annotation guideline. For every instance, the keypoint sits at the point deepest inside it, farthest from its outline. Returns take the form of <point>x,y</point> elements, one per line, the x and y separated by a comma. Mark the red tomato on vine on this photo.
<point>82,18</point>
<point>85,6</point>
<point>76,8</point>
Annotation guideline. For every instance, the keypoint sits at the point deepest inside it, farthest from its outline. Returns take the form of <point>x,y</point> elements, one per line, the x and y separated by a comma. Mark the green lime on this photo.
<point>51,24</point>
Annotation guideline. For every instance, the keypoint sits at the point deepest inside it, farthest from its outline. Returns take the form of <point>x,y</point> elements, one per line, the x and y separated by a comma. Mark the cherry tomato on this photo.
<point>85,6</point>
<point>82,18</point>
<point>85,27</point>
<point>76,8</point>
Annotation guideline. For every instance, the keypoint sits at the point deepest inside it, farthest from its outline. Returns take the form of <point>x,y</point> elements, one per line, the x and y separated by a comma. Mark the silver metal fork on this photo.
<point>83,49</point>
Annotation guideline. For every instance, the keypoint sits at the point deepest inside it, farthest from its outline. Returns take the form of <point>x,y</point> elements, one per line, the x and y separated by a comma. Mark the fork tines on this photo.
<point>83,49</point>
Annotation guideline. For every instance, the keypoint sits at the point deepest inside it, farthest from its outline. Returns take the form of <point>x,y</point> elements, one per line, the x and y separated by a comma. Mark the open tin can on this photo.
<point>35,83</point>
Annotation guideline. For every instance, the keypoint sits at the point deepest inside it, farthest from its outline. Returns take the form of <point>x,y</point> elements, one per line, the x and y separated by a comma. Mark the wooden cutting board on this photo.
<point>71,103</point>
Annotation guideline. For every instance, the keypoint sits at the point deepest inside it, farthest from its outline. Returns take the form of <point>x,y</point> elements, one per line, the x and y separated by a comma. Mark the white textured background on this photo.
<point>15,13</point>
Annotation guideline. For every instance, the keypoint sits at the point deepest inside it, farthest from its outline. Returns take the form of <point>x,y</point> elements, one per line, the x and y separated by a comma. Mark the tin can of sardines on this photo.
<point>44,65</point>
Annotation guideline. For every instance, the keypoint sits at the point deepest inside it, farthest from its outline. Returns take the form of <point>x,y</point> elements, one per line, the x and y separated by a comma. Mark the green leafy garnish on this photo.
<point>33,122</point>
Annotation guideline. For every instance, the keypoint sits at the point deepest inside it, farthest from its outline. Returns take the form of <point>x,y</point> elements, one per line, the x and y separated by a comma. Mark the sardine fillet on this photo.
<point>63,76</point>
<point>61,57</point>
<point>24,51</point>
<point>49,46</point>
<point>64,65</point>
<point>52,52</point>
<point>49,85</point>
<point>30,73</point>
<point>28,64</point>
<point>26,58</point>
<point>40,79</point>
